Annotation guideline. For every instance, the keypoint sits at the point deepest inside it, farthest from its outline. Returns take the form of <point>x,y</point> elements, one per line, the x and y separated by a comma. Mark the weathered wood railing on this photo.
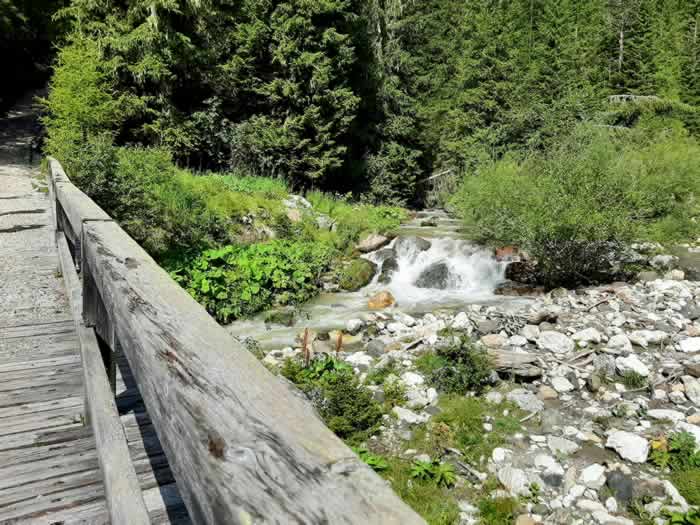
<point>243,448</point>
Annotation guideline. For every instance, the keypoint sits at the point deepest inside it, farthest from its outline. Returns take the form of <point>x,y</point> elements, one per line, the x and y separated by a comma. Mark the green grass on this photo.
<point>267,186</point>
<point>498,511</point>
<point>437,505</point>
<point>460,425</point>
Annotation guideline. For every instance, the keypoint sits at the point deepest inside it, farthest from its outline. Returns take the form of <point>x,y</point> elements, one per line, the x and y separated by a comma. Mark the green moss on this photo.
<point>633,380</point>
<point>357,274</point>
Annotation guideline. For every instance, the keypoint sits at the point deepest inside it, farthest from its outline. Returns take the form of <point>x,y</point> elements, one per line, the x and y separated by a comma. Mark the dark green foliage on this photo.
<point>574,207</point>
<point>237,281</point>
<point>677,453</point>
<point>458,367</point>
<point>344,404</point>
<point>692,517</point>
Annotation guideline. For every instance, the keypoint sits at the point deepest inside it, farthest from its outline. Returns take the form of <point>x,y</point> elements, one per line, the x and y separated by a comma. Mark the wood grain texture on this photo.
<point>242,447</point>
<point>122,490</point>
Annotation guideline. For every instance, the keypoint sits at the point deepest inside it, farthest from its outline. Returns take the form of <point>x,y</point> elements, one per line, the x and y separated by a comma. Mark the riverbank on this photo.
<point>602,379</point>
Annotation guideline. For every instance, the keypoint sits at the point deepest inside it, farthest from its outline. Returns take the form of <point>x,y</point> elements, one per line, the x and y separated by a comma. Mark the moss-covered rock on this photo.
<point>284,316</point>
<point>357,274</point>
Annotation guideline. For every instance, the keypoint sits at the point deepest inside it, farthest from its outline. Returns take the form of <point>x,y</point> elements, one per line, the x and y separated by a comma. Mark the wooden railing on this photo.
<point>242,446</point>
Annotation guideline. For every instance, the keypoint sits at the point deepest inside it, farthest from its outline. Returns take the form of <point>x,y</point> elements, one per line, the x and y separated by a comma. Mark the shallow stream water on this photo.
<point>473,276</point>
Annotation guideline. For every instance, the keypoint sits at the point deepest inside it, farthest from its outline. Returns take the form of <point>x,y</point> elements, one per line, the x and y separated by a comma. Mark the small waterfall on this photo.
<point>449,268</point>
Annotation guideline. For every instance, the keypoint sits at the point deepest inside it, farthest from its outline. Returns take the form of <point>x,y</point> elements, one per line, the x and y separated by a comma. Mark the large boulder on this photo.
<point>372,243</point>
<point>389,267</point>
<point>629,446</point>
<point>434,276</point>
<point>411,242</point>
<point>522,272</point>
<point>357,274</point>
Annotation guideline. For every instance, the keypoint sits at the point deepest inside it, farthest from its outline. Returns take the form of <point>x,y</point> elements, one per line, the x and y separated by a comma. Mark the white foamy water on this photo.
<point>473,272</point>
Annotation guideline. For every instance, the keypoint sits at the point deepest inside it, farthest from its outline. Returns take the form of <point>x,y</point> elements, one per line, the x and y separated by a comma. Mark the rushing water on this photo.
<point>473,273</point>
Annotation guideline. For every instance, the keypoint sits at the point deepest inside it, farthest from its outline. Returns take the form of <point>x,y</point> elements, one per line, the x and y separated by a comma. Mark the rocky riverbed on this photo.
<point>601,377</point>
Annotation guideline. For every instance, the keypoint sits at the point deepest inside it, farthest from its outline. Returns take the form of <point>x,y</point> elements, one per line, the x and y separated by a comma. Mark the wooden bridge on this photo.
<point>122,401</point>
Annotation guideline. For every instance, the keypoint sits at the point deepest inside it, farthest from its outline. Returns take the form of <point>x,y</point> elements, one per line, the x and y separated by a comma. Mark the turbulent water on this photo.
<point>473,272</point>
<point>472,275</point>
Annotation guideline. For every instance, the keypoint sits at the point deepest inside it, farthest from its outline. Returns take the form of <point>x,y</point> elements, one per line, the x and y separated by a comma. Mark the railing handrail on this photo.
<point>242,446</point>
<point>123,495</point>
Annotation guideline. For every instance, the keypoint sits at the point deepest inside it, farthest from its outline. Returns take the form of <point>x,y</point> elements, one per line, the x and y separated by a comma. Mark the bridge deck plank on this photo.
<point>49,471</point>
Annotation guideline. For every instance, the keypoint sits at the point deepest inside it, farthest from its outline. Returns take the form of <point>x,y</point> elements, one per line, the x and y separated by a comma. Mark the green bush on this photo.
<point>688,484</point>
<point>498,511</point>
<point>267,186</point>
<point>343,403</point>
<point>574,207</point>
<point>237,281</point>
<point>459,367</point>
<point>354,219</point>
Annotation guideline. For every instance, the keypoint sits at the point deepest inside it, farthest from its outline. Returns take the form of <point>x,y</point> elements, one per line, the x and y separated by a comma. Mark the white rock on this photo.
<point>353,326</point>
<point>588,335</point>
<point>620,342</point>
<point>501,455</point>
<point>611,505</point>
<point>360,360</point>
<point>412,379</point>
<point>629,446</point>
<point>562,384</point>
<point>530,332</point>
<point>590,505</point>
<point>461,322</point>
<point>631,363</point>
<point>692,389</point>
<point>408,416</point>
<point>514,480</point>
<point>559,445</point>
<point>525,400</point>
<point>517,340</point>
<point>549,464</point>
<point>644,338</point>
<point>396,327</point>
<point>593,476</point>
<point>666,414</point>
<point>555,342</point>
<point>692,344</point>
<point>494,397</point>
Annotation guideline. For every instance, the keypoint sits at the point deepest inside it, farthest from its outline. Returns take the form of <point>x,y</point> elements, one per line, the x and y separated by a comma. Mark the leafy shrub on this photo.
<point>677,453</point>
<point>236,281</point>
<point>692,517</point>
<point>436,504</point>
<point>394,393</point>
<point>574,208</point>
<point>441,474</point>
<point>375,461</point>
<point>354,219</point>
<point>460,367</point>
<point>343,403</point>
